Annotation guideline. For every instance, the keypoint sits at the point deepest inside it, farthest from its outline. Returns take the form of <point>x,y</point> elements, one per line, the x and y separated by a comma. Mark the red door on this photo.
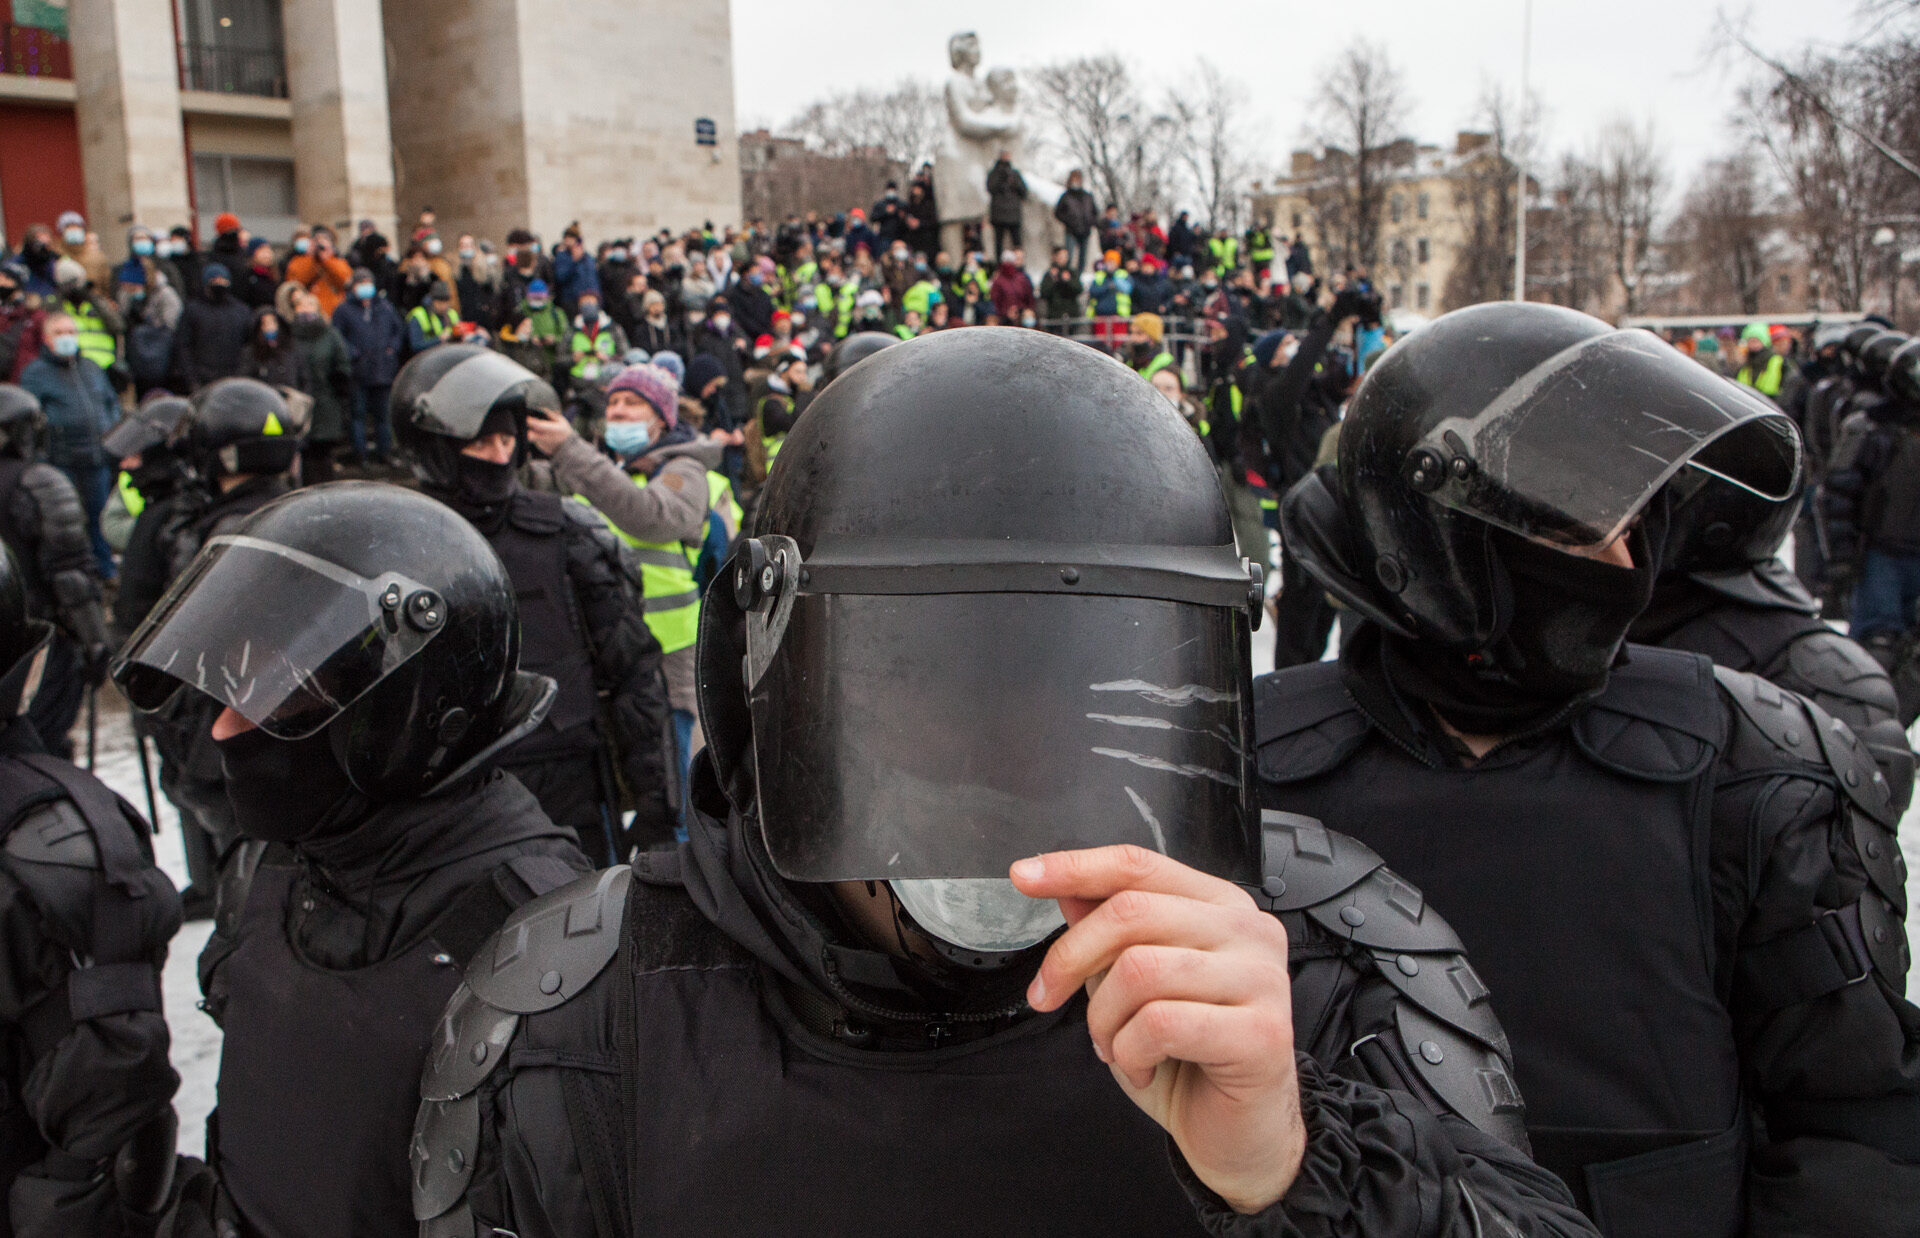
<point>39,166</point>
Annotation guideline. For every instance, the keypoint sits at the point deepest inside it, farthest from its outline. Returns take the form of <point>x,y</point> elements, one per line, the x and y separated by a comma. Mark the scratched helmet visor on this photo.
<point>1575,449</point>
<point>286,639</point>
<point>947,735</point>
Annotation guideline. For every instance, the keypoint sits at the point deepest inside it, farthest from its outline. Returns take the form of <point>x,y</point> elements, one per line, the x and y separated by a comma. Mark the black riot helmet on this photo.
<point>1876,354</point>
<point>1903,373</point>
<point>852,350</point>
<point>1716,525</point>
<point>156,424</point>
<point>23,641</point>
<point>367,610</point>
<point>450,395</point>
<point>995,609</point>
<point>22,423</point>
<point>242,425</point>
<point>1857,336</point>
<point>1530,419</point>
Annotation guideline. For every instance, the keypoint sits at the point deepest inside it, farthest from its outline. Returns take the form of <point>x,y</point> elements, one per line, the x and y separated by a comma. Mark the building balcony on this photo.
<point>29,51</point>
<point>223,69</point>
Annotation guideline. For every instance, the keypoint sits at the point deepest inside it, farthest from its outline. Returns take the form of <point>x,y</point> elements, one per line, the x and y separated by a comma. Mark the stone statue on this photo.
<point>983,119</point>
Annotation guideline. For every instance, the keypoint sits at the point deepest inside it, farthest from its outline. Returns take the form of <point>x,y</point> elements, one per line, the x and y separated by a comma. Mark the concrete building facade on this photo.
<point>494,113</point>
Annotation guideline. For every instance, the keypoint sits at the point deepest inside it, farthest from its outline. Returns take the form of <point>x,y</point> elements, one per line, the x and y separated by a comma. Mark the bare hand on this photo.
<point>1189,1004</point>
<point>547,430</point>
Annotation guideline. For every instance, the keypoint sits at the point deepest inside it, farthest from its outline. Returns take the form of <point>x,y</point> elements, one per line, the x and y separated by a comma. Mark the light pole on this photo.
<point>1520,189</point>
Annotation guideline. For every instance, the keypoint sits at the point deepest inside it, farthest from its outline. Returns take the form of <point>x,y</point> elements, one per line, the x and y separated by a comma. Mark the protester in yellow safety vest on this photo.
<point>1260,247</point>
<point>1225,251</point>
<point>1146,348</point>
<point>651,486</point>
<point>433,320</point>
<point>99,321</point>
<point>777,400</point>
<point>596,343</point>
<point>1762,368</point>
<point>833,298</point>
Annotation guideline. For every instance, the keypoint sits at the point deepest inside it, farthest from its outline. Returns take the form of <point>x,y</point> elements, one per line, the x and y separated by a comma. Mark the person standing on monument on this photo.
<point>1006,192</point>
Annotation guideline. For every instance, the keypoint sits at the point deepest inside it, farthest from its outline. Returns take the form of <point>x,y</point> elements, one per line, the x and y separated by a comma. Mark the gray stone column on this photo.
<point>133,151</point>
<point>342,145</point>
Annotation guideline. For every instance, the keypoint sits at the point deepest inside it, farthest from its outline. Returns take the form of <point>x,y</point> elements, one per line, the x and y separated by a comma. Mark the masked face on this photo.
<point>979,913</point>
<point>433,246</point>
<point>301,245</point>
<point>628,438</point>
<point>281,789</point>
<point>143,247</point>
<point>74,237</point>
<point>363,291</point>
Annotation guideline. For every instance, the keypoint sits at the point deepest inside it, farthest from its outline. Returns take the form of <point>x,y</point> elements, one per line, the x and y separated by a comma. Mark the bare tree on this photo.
<point>1843,131</point>
<point>1360,109</point>
<point>1723,229</point>
<point>1629,182</point>
<point>1483,197</point>
<point>904,122</point>
<point>1210,143</point>
<point>1102,122</point>
<point>1566,252</point>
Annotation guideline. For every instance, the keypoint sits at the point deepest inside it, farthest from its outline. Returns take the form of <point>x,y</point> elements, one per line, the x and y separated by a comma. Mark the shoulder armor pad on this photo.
<point>1799,728</point>
<point>1304,863</point>
<point>551,948</point>
<point>1771,585</point>
<point>536,511</point>
<point>1831,664</point>
<point>1657,720</point>
<point>446,1135</point>
<point>472,1039</point>
<point>54,833</point>
<point>1304,723</point>
<point>1472,1078</point>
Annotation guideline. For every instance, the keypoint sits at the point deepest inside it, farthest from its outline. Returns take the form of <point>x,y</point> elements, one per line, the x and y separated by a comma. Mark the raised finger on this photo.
<point>1256,1039</point>
<point>1146,974</point>
<point>1102,872</point>
<point>1129,918</point>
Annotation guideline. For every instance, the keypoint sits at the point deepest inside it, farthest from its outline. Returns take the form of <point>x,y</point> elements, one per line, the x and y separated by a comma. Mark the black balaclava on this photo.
<point>282,790</point>
<point>484,483</point>
<point>1566,619</point>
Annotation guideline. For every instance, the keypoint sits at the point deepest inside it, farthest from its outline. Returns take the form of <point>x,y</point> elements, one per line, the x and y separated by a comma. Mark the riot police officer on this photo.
<point>834,1011</point>
<point>1722,592</point>
<point>42,522</point>
<point>87,1126</point>
<point>357,647</point>
<point>1681,882</point>
<point>149,446</point>
<point>241,439</point>
<point>460,413</point>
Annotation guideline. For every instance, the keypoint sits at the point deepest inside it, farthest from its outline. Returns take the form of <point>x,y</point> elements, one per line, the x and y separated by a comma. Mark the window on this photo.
<point>232,46</point>
<point>1422,295</point>
<point>1296,221</point>
<point>259,191</point>
<point>1420,209</point>
<point>1400,253</point>
<point>1786,285</point>
<point>1396,207</point>
<point>1421,248</point>
<point>1395,295</point>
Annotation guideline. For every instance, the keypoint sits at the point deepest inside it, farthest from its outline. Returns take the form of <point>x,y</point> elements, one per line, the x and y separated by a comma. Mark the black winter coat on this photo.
<point>211,338</point>
<point>1006,190</point>
<point>1076,212</point>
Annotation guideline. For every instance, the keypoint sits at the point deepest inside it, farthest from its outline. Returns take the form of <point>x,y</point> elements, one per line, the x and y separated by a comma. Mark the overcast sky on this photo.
<point>1592,59</point>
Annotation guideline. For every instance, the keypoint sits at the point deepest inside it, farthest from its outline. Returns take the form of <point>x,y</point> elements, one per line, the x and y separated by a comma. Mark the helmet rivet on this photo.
<point>453,727</point>
<point>424,611</point>
<point>766,578</point>
<point>1460,467</point>
<point>391,598</point>
<point>1392,576</point>
<point>1070,575</point>
<point>1427,473</point>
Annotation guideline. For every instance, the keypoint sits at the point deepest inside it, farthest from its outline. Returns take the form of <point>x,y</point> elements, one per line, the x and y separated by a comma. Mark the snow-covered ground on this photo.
<point>196,1041</point>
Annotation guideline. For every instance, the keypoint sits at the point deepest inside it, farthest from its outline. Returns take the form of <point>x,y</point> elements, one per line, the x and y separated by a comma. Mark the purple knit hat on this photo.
<point>654,385</point>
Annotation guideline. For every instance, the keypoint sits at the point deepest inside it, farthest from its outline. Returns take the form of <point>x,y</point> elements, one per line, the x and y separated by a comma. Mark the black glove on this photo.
<point>1349,303</point>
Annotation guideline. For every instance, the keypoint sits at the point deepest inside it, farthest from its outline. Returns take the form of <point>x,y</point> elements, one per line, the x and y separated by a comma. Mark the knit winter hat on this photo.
<point>702,370</point>
<point>654,385</point>
<point>672,364</point>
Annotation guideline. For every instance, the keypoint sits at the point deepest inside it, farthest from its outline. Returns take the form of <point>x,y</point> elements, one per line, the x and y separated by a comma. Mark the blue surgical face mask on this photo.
<point>301,245</point>
<point>143,247</point>
<point>66,345</point>
<point>363,291</point>
<point>270,334</point>
<point>628,437</point>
